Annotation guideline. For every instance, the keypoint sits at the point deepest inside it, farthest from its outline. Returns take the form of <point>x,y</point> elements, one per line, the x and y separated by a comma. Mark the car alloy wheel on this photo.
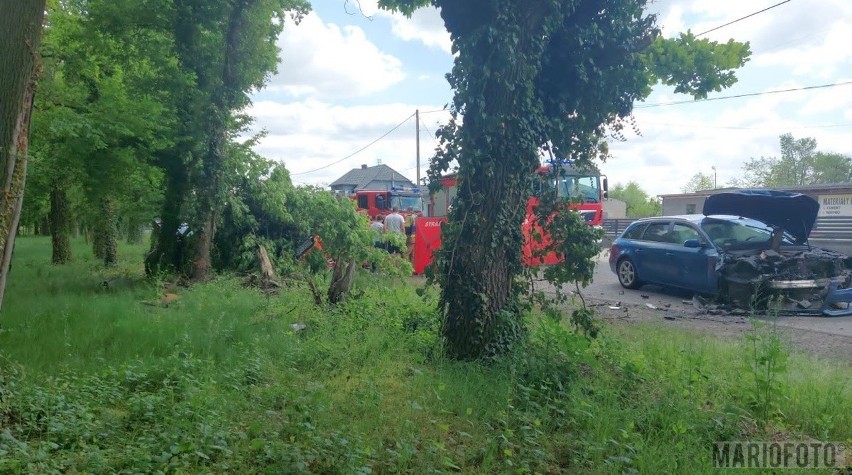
<point>627,276</point>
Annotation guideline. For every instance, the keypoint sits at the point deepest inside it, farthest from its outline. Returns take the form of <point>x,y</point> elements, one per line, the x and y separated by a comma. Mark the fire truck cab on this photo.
<point>375,202</point>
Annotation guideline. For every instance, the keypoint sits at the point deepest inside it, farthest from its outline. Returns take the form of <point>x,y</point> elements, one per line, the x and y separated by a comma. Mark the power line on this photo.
<point>431,134</point>
<point>752,94</point>
<point>742,18</point>
<point>435,110</point>
<point>365,147</point>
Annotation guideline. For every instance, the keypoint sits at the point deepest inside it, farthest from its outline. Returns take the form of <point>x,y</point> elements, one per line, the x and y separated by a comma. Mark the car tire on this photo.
<point>628,277</point>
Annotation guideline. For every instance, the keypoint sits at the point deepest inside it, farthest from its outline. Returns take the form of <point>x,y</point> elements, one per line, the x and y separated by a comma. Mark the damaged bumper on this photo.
<point>814,282</point>
<point>837,302</point>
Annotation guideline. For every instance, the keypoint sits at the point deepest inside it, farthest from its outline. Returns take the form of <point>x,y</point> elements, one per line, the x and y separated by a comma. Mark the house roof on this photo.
<point>361,177</point>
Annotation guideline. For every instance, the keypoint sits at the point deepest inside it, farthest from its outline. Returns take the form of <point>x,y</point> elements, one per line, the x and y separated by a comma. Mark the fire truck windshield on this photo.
<point>404,202</point>
<point>582,188</point>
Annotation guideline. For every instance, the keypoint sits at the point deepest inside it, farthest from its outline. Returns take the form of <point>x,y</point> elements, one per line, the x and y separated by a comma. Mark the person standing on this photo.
<point>410,219</point>
<point>394,223</point>
<point>378,227</point>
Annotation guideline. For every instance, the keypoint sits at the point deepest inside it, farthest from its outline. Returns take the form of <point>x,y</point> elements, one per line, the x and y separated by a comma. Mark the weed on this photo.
<point>766,362</point>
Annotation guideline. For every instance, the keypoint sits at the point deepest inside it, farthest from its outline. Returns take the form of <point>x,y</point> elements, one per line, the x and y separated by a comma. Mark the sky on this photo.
<point>352,76</point>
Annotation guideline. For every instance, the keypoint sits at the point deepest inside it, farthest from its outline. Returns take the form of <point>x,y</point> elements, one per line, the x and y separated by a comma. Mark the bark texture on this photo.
<point>224,100</point>
<point>60,224</point>
<point>342,277</point>
<point>21,24</point>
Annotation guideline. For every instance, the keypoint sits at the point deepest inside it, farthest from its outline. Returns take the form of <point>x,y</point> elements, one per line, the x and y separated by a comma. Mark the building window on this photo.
<point>690,208</point>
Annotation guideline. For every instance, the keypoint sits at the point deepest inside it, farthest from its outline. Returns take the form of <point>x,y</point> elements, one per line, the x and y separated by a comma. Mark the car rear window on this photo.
<point>656,232</point>
<point>634,231</point>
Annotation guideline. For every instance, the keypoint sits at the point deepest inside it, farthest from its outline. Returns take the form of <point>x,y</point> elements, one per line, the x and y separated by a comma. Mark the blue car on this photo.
<point>748,245</point>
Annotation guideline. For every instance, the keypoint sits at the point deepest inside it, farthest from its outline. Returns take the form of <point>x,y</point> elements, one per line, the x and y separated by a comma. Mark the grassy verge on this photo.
<point>96,380</point>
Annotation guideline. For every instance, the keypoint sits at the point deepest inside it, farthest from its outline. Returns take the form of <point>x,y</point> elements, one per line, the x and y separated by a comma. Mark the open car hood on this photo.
<point>794,212</point>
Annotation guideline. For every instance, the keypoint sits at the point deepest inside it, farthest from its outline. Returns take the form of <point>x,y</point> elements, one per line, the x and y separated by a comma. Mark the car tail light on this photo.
<point>614,250</point>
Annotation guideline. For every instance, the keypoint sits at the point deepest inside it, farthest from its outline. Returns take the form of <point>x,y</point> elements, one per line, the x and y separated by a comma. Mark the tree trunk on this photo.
<point>109,231</point>
<point>105,240</point>
<point>60,224</point>
<point>167,252</point>
<point>211,183</point>
<point>342,277</point>
<point>21,24</point>
<point>482,248</point>
<point>203,247</point>
<point>99,240</point>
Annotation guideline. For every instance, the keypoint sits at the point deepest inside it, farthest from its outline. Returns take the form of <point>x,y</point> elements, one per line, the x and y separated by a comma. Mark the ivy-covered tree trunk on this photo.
<point>21,24</point>
<point>482,248</point>
<point>98,241</point>
<point>224,100</point>
<point>60,223</point>
<point>105,240</point>
<point>166,254</point>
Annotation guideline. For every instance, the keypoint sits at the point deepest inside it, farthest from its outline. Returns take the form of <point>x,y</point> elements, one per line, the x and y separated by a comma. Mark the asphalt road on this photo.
<point>607,292</point>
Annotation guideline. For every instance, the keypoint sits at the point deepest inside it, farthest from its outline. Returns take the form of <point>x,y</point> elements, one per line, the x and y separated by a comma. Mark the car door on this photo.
<point>691,268</point>
<point>651,253</point>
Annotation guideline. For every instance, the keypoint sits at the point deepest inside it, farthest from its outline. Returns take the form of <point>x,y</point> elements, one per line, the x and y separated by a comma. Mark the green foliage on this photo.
<point>97,123</point>
<point>695,66</point>
<point>767,363</point>
<point>264,208</point>
<point>638,203</point>
<point>800,164</point>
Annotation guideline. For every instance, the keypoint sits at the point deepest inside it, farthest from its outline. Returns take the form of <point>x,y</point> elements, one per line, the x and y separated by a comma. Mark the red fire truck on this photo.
<point>585,188</point>
<point>375,202</point>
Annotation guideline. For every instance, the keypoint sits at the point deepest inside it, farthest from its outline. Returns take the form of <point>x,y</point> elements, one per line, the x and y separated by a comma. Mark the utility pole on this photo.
<point>714,176</point>
<point>417,126</point>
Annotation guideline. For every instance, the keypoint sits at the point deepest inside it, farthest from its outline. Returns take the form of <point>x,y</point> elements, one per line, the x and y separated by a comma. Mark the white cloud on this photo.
<point>328,61</point>
<point>425,25</point>
<point>822,60</point>
<point>311,135</point>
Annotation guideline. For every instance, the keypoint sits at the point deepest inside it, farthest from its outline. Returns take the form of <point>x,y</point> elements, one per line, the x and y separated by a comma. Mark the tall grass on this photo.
<point>97,380</point>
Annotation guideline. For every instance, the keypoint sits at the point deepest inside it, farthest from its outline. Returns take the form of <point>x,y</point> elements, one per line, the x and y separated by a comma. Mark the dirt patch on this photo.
<point>815,343</point>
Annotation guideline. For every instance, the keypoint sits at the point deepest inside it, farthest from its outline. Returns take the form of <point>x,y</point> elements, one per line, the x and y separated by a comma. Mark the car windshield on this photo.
<point>740,233</point>
<point>404,202</point>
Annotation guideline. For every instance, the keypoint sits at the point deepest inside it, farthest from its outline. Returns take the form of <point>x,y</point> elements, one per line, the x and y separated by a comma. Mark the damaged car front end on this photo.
<point>763,254</point>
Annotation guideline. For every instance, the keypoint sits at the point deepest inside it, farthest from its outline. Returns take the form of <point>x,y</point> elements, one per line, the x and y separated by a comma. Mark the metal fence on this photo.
<point>614,227</point>
<point>833,232</point>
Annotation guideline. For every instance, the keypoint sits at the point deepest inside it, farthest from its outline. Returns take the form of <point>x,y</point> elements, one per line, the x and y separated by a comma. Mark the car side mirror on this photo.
<point>692,243</point>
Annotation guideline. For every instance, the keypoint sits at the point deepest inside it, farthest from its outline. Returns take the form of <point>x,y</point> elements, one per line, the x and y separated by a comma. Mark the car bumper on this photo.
<point>836,299</point>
